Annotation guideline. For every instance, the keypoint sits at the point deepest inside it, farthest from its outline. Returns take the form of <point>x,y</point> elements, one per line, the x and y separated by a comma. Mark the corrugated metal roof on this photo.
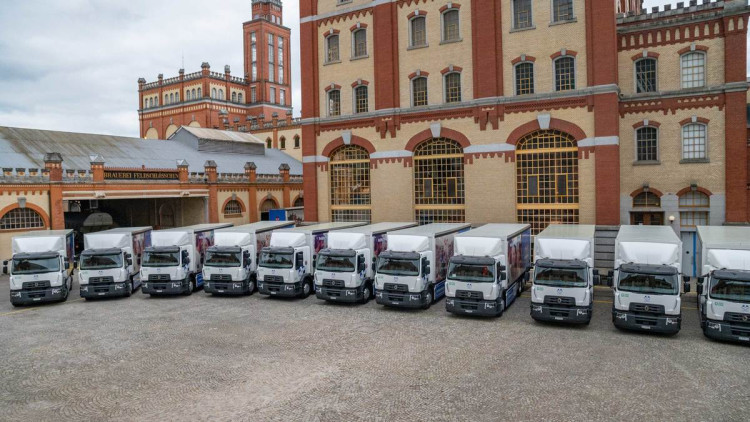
<point>220,135</point>
<point>25,148</point>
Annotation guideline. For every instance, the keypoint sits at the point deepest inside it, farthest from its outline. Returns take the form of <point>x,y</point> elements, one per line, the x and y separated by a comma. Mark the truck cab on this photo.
<point>284,271</point>
<point>563,291</point>
<point>475,286</point>
<point>168,269</point>
<point>724,305</point>
<point>106,272</point>
<point>229,269</point>
<point>344,275</point>
<point>404,279</point>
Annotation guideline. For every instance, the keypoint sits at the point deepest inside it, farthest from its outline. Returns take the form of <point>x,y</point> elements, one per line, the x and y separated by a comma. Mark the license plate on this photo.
<point>159,291</point>
<point>101,294</point>
<point>273,293</point>
<point>468,311</point>
<point>220,291</point>
<point>645,327</point>
<point>37,298</point>
<point>559,318</point>
<point>744,338</point>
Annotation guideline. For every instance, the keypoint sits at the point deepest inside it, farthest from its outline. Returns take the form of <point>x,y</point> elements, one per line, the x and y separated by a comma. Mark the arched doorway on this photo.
<point>267,205</point>
<point>439,182</point>
<point>349,169</point>
<point>166,216</point>
<point>547,179</point>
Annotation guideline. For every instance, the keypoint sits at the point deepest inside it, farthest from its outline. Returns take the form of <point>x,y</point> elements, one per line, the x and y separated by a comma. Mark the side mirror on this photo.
<point>502,276</point>
<point>373,266</point>
<point>426,269</point>
<point>128,256</point>
<point>686,286</point>
<point>501,268</point>
<point>130,262</point>
<point>699,289</point>
<point>685,278</point>
<point>596,272</point>
<point>701,279</point>
<point>611,273</point>
<point>5,267</point>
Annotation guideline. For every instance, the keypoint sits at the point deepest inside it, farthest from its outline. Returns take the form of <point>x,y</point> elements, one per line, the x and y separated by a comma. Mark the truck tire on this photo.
<point>306,288</point>
<point>191,286</point>
<point>129,289</point>
<point>251,285</point>
<point>366,293</point>
<point>500,303</point>
<point>430,298</point>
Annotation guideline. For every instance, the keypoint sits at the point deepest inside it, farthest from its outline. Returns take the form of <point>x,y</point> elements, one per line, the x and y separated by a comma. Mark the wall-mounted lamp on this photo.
<point>671,218</point>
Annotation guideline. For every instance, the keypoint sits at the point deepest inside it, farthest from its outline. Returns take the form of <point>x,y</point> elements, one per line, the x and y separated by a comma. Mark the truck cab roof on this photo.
<point>648,269</point>
<point>106,251</point>
<point>257,227</point>
<point>376,228</point>
<point>573,264</point>
<point>434,229</point>
<point>324,227</point>
<point>35,255</point>
<point>126,230</point>
<point>732,275</point>
<point>503,231</point>
<point>45,233</point>
<point>198,227</point>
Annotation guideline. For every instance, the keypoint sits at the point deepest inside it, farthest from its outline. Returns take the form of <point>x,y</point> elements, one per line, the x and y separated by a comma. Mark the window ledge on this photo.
<point>334,62</point>
<point>451,41</point>
<point>695,161</point>
<point>574,20</point>
<point>417,47</point>
<point>646,163</point>
<point>366,56</point>
<point>528,28</point>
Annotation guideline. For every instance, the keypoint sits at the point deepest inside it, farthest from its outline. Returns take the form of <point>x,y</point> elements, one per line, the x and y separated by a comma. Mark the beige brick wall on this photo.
<point>490,191</point>
<point>289,135</point>
<point>236,219</point>
<point>329,6</point>
<point>587,190</point>
<point>392,195</point>
<point>40,199</point>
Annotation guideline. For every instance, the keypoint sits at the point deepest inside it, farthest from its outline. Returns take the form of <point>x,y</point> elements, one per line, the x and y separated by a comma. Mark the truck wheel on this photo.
<point>366,293</point>
<point>129,288</point>
<point>306,288</point>
<point>65,292</point>
<point>251,286</point>
<point>500,303</point>
<point>430,297</point>
<point>191,287</point>
<point>521,284</point>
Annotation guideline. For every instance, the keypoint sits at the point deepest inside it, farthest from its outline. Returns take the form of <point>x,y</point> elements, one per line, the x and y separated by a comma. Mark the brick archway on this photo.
<point>554,124</point>
<point>36,208</point>
<point>355,140</point>
<point>444,133</point>
<point>269,198</point>
<point>639,191</point>
<point>698,189</point>
<point>242,204</point>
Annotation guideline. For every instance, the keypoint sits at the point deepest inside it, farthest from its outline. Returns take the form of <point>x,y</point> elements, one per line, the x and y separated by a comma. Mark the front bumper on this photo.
<point>173,287</point>
<point>28,297</point>
<point>472,307</point>
<point>667,324</point>
<point>569,314</point>
<point>104,290</point>
<point>226,287</point>
<point>721,330</point>
<point>280,289</point>
<point>401,300</point>
<point>339,294</point>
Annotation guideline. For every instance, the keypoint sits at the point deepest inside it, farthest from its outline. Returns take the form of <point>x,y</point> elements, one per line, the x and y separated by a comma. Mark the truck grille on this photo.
<point>646,308</point>
<point>221,277</point>
<point>393,287</point>
<point>333,283</point>
<point>101,280</point>
<point>35,285</point>
<point>559,301</point>
<point>467,294</point>
<point>273,279</point>
<point>736,317</point>
<point>158,277</point>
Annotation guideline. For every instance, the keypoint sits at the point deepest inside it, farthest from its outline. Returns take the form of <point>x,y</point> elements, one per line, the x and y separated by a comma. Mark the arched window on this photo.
<point>646,199</point>
<point>282,142</point>
<point>213,93</point>
<point>646,210</point>
<point>187,95</point>
<point>269,143</point>
<point>694,209</point>
<point>239,98</point>
<point>296,141</point>
<point>233,207</point>
<point>360,99</point>
<point>332,49</point>
<point>21,218</point>
<point>418,31</point>
<point>359,43</point>
<point>166,99</point>
<point>221,94</point>
<point>439,181</point>
<point>693,68</point>
<point>265,207</point>
<point>647,144</point>
<point>177,97</point>
<point>234,97</point>
<point>524,78</point>
<point>419,91</point>
<point>334,102</point>
<point>349,169</point>
<point>645,75</point>
<point>200,94</point>
<point>299,202</point>
<point>451,25</point>
<point>156,101</point>
<point>694,142</point>
<point>145,103</point>
<point>452,88</point>
<point>565,73</point>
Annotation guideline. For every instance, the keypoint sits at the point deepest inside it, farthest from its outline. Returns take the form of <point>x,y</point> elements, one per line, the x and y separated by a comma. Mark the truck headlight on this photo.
<point>714,326</point>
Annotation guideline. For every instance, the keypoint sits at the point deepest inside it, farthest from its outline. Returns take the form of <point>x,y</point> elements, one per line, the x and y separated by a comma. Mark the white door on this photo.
<point>689,257</point>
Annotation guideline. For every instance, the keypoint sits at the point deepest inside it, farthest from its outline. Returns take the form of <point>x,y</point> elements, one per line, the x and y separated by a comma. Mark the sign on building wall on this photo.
<point>140,175</point>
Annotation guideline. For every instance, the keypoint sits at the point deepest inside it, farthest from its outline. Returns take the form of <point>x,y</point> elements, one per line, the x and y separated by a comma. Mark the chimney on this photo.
<point>53,163</point>
<point>250,168</point>
<point>210,169</point>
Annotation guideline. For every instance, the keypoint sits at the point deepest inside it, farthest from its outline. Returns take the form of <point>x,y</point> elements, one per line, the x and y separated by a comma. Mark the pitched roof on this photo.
<point>219,135</point>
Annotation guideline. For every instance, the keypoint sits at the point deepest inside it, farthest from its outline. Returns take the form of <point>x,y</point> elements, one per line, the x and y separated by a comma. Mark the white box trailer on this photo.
<point>285,266</point>
<point>411,272</point>
<point>724,284</point>
<point>41,268</point>
<point>344,270</point>
<point>488,269</point>
<point>564,275</point>
<point>111,261</point>
<point>174,262</point>
<point>231,264</point>
<point>646,279</point>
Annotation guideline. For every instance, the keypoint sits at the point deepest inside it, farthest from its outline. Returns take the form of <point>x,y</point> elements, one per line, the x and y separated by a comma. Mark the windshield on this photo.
<point>35,265</point>
<point>560,277</point>
<point>160,259</point>
<point>100,262</point>
<point>396,266</point>
<point>342,264</point>
<point>275,260</point>
<point>648,283</point>
<point>472,272</point>
<point>733,290</point>
<point>223,259</point>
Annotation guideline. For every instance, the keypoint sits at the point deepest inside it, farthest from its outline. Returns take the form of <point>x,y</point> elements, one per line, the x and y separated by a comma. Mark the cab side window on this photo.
<point>360,263</point>
<point>298,260</point>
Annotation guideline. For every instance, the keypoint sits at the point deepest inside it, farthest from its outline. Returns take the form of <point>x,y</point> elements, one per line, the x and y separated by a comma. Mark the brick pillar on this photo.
<point>53,164</point>
<point>385,54</point>
<point>182,170</point>
<point>213,191</point>
<point>286,198</point>
<point>310,91</point>
<point>252,195</point>
<point>97,169</point>
<point>487,48</point>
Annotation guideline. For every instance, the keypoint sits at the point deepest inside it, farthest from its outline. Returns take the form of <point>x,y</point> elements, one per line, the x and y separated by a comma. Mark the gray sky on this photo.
<point>73,65</point>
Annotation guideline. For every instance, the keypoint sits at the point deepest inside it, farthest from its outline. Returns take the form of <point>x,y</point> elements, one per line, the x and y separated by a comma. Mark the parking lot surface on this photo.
<point>258,358</point>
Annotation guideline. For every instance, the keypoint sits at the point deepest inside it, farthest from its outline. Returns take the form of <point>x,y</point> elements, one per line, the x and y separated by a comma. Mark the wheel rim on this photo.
<point>429,297</point>
<point>306,288</point>
<point>366,292</point>
<point>191,286</point>
<point>251,286</point>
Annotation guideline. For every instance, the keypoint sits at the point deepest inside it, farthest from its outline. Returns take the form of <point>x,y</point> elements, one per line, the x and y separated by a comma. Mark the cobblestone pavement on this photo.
<point>256,358</point>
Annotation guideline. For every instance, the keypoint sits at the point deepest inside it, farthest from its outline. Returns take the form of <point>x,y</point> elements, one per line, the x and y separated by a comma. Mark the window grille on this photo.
<point>693,70</point>
<point>693,141</point>
<point>646,144</point>
<point>439,181</point>
<point>453,88</point>
<point>334,103</point>
<point>645,75</point>
<point>360,99</point>
<point>21,218</point>
<point>450,25</point>
<point>418,31</point>
<point>360,43</point>
<point>565,78</point>
<point>524,78</point>
<point>522,14</point>
<point>267,205</point>
<point>695,199</point>
<point>562,10</point>
<point>349,171</point>
<point>646,200</point>
<point>419,91</point>
<point>332,49</point>
<point>233,207</point>
<point>693,218</point>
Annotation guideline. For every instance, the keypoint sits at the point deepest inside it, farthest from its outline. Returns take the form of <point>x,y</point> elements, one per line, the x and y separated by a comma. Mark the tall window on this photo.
<point>296,141</point>
<point>693,69</point>
<point>453,87</point>
<point>187,95</point>
<point>280,59</point>
<point>282,97</point>
<point>213,93</point>
<point>562,10</point>
<point>522,14</point>
<point>282,143</point>
<point>359,43</point>
<point>151,102</point>
<point>200,93</point>
<point>418,30</point>
<point>268,143</point>
<point>334,102</point>
<point>694,209</point>
<point>694,141</point>
<point>221,95</point>
<point>271,55</point>
<point>233,207</point>
<point>239,98</point>
<point>234,97</point>
<point>450,25</point>
<point>419,91</point>
<point>21,218</point>
<point>360,99</point>
<point>254,56</point>
<point>524,78</point>
<point>646,144</point>
<point>272,95</point>
<point>253,95</point>
<point>177,96</point>
<point>565,74</point>
<point>645,75</point>
<point>439,181</point>
<point>332,49</point>
<point>349,169</point>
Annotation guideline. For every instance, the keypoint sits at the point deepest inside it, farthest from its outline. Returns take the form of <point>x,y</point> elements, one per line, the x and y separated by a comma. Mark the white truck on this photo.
<point>344,271</point>
<point>411,272</point>
<point>173,263</point>
<point>646,279</point>
<point>285,267</point>
<point>488,269</point>
<point>724,287</point>
<point>564,275</point>
<point>111,261</point>
<point>40,268</point>
<point>231,264</point>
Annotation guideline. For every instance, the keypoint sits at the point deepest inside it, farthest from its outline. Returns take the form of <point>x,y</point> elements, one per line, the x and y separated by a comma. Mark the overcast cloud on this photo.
<point>73,65</point>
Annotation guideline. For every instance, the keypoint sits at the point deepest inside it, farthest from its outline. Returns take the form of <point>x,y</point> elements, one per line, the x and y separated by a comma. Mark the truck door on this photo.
<point>361,268</point>
<point>299,264</point>
<point>689,257</point>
